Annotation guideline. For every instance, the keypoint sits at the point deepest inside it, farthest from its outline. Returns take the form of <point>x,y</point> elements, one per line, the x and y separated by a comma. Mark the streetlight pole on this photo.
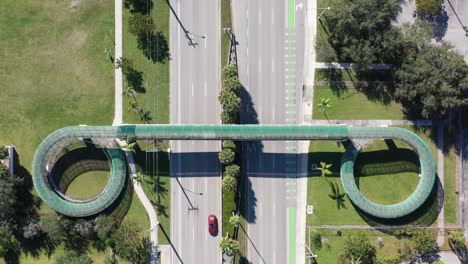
<point>324,9</point>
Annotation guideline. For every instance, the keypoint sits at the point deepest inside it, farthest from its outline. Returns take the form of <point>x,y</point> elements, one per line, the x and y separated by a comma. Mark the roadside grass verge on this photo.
<point>155,75</point>
<point>335,244</point>
<point>154,169</point>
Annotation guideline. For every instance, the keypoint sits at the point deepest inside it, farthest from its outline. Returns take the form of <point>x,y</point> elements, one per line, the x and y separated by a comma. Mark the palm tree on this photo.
<point>325,170</point>
<point>324,105</point>
<point>234,219</point>
<point>229,246</point>
<point>128,91</point>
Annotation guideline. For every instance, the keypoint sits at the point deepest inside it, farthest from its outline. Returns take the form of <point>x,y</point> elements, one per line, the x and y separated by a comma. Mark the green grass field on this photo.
<point>88,185</point>
<point>383,188</point>
<point>330,251</point>
<point>352,104</point>
<point>450,179</point>
<point>155,75</point>
<point>54,70</point>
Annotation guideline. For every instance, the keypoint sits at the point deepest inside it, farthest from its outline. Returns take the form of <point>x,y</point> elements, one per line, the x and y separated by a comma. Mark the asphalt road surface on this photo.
<point>195,170</point>
<point>270,36</point>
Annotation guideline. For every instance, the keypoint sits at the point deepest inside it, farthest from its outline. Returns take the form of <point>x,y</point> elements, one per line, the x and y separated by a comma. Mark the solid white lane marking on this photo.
<point>274,209</point>
<point>272,16</point>
<point>260,17</point>
<point>193,234</point>
<point>193,89</point>
<point>273,115</point>
<point>205,89</point>
<point>259,65</point>
<point>272,64</point>
<point>205,40</point>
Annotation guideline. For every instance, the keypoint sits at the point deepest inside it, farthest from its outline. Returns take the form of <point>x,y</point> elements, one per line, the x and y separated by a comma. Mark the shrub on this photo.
<point>3,152</point>
<point>226,156</point>
<point>232,170</point>
<point>229,184</point>
<point>456,239</point>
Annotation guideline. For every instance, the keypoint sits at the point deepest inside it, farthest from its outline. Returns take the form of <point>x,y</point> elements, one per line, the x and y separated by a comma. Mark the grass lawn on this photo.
<point>450,179</point>
<point>54,70</point>
<point>54,74</point>
<point>88,185</point>
<point>402,179</point>
<point>331,250</point>
<point>225,23</point>
<point>229,205</point>
<point>352,104</point>
<point>155,75</point>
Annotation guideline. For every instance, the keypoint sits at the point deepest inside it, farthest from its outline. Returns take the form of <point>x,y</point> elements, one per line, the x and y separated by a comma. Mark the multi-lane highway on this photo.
<point>195,170</point>
<point>270,51</point>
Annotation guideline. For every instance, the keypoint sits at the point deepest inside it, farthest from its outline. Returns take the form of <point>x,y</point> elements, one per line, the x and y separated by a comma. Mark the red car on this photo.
<point>212,224</point>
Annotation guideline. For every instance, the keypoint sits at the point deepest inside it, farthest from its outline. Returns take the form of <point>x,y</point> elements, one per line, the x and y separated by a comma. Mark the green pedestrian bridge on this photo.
<point>51,148</point>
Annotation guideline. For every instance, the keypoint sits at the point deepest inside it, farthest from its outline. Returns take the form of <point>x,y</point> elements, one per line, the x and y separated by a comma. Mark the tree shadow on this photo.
<point>139,6</point>
<point>154,46</point>
<point>248,115</point>
<point>438,23</point>
<point>376,85</point>
<point>462,253</point>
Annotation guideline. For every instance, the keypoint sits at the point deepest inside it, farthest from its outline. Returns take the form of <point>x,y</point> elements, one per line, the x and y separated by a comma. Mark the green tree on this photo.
<point>359,35</point>
<point>424,241</point>
<point>104,226</point>
<point>56,228</point>
<point>428,7</point>
<point>8,198</point>
<point>71,257</point>
<point>324,105</point>
<point>3,152</point>
<point>229,183</point>
<point>457,239</point>
<point>432,82</point>
<point>229,246</point>
<point>8,241</point>
<point>324,169</point>
<point>232,170</point>
<point>229,117</point>
<point>230,71</point>
<point>232,84</point>
<point>234,219</point>
<point>229,100</point>
<point>126,240</point>
<point>358,246</point>
<point>226,156</point>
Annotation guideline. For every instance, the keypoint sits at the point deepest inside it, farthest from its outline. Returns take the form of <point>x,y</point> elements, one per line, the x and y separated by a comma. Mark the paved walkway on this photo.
<point>118,72</point>
<point>347,65</point>
<point>465,183</point>
<point>148,207</point>
<point>307,107</point>
<point>308,121</point>
<point>440,173</point>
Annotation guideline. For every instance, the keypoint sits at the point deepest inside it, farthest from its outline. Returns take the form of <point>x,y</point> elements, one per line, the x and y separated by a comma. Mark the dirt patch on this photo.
<point>77,39</point>
<point>74,4</point>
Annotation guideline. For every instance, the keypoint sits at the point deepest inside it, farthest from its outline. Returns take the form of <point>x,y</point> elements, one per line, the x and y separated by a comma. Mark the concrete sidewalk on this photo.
<point>118,72</point>
<point>323,122</point>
